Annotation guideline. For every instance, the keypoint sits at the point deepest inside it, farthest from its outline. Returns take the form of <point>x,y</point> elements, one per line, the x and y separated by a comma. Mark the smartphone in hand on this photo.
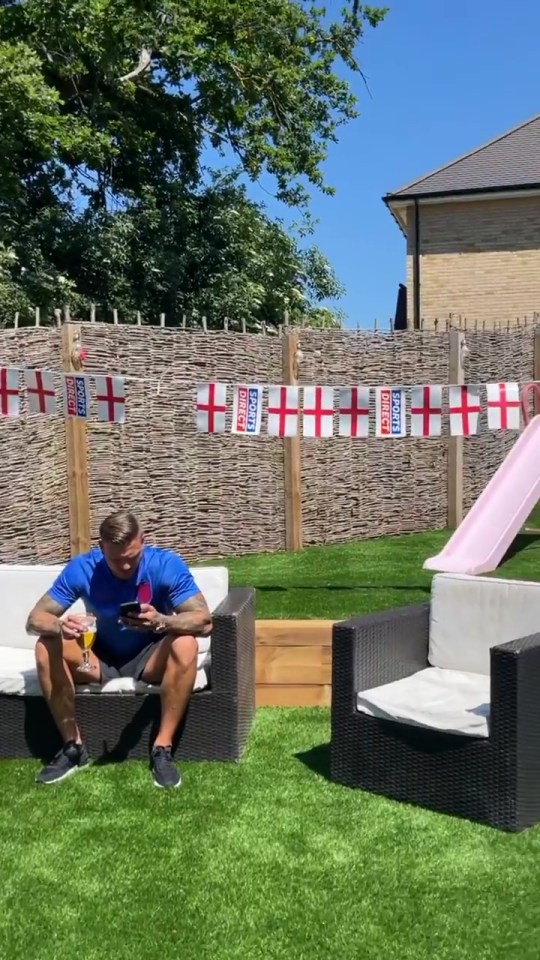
<point>130,609</point>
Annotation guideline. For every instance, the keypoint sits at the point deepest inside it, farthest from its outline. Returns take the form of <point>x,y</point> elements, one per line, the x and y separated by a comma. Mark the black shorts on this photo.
<point>112,669</point>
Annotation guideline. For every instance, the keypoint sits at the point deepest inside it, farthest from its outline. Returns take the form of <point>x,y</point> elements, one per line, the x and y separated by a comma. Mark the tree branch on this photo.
<point>143,65</point>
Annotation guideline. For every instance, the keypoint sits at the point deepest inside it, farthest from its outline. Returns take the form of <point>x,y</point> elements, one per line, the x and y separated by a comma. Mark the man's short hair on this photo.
<point>120,528</point>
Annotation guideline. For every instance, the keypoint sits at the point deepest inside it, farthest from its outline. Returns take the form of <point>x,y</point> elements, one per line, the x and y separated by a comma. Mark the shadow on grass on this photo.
<point>317,759</point>
<point>521,543</point>
<point>277,588</point>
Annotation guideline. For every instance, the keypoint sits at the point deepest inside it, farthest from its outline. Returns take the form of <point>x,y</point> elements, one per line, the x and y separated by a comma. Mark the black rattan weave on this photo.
<point>493,780</point>
<point>117,726</point>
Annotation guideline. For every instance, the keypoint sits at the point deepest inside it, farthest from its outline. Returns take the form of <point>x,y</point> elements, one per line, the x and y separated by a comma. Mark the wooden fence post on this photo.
<point>536,368</point>
<point>291,453</point>
<point>455,444</point>
<point>76,457</point>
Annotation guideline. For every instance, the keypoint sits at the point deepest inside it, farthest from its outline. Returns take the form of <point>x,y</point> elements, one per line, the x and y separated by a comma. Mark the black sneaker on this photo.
<point>163,769</point>
<point>68,760</point>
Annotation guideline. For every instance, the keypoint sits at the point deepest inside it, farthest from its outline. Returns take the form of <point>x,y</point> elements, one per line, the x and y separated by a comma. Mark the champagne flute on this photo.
<point>88,635</point>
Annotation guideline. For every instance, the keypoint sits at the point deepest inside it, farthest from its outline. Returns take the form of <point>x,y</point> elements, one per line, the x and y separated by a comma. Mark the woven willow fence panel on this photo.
<point>34,519</point>
<point>364,488</point>
<point>204,495</point>
<point>210,496</point>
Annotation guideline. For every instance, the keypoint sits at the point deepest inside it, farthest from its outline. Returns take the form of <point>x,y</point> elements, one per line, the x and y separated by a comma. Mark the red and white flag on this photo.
<point>503,406</point>
<point>40,391</point>
<point>318,414</point>
<point>247,409</point>
<point>464,408</point>
<point>426,411</point>
<point>9,392</point>
<point>211,407</point>
<point>282,411</point>
<point>111,399</point>
<point>354,412</point>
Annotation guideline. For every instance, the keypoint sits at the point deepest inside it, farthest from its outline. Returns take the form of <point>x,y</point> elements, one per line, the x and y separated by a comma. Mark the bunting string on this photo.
<point>280,410</point>
<point>358,411</point>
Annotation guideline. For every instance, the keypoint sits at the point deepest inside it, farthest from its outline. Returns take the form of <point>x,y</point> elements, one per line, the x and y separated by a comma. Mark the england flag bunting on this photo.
<point>503,406</point>
<point>464,408</point>
<point>40,391</point>
<point>426,411</point>
<point>111,399</point>
<point>9,392</point>
<point>354,411</point>
<point>318,412</point>
<point>282,411</point>
<point>211,407</point>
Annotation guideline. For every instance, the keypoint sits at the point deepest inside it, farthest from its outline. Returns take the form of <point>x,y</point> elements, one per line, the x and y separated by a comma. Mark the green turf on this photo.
<point>338,581</point>
<point>259,861</point>
<point>266,859</point>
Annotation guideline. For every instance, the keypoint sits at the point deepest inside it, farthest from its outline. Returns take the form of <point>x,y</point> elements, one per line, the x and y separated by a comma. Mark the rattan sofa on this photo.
<point>438,704</point>
<point>119,720</point>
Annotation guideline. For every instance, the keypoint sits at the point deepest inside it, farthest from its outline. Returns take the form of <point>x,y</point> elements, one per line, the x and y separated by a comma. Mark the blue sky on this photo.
<point>444,77</point>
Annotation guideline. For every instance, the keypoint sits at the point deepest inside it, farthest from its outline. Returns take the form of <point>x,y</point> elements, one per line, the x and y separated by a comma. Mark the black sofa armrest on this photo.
<point>515,699</point>
<point>232,667</point>
<point>380,648</point>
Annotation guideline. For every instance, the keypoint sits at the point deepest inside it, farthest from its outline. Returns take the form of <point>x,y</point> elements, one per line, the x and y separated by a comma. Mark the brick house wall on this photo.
<point>479,259</point>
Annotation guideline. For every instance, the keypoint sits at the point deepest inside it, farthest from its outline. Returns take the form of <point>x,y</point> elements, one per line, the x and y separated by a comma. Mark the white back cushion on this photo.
<point>213,582</point>
<point>469,615</point>
<point>21,586</point>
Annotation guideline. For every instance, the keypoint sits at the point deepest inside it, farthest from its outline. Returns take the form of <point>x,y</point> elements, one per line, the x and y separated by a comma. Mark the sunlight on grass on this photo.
<point>267,859</point>
<point>341,580</point>
<point>256,861</point>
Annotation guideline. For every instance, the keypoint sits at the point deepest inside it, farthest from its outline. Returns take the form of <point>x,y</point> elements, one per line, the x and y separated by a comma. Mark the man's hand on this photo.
<point>147,620</point>
<point>71,626</point>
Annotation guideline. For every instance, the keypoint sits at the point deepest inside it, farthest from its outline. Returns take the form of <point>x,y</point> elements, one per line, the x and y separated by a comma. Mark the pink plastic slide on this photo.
<point>488,530</point>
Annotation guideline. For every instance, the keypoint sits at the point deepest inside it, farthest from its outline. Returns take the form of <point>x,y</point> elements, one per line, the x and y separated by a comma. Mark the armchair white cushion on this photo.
<point>468,616</point>
<point>449,700</point>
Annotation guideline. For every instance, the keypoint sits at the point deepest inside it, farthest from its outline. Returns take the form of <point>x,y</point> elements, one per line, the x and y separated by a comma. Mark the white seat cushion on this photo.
<point>448,700</point>
<point>18,676</point>
<point>469,615</point>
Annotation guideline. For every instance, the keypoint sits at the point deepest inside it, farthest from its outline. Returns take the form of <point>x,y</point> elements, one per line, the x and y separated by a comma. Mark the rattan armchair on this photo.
<point>493,779</point>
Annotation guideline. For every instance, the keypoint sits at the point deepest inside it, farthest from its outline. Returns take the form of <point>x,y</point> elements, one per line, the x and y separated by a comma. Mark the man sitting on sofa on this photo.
<point>158,645</point>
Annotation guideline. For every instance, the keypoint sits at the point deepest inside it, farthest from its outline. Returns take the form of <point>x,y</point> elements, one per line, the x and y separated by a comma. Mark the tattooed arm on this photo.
<point>191,617</point>
<point>44,619</point>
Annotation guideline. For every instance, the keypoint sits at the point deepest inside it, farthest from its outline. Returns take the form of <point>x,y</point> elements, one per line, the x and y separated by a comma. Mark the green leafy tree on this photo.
<point>109,107</point>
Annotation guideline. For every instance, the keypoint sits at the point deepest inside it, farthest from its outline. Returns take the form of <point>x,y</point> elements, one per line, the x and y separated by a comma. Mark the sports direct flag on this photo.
<point>318,420</point>
<point>463,407</point>
<point>211,407</point>
<point>9,392</point>
<point>503,406</point>
<point>76,396</point>
<point>389,412</point>
<point>426,411</point>
<point>354,412</point>
<point>111,399</point>
<point>282,411</point>
<point>40,391</point>
<point>247,410</point>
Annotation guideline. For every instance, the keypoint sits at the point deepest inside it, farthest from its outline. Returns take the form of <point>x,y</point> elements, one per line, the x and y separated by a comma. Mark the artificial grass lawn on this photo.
<point>338,581</point>
<point>266,859</point>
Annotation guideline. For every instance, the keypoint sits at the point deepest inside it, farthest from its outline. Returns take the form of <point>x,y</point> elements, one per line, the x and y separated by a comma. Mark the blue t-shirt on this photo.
<point>162,579</point>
